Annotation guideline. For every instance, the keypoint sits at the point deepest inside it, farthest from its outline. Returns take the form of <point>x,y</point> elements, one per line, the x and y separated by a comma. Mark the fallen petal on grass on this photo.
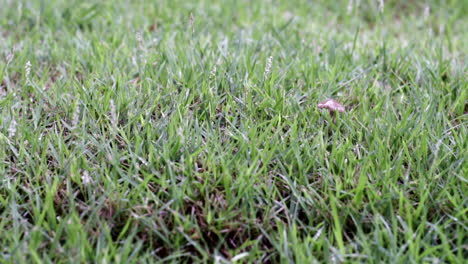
<point>332,105</point>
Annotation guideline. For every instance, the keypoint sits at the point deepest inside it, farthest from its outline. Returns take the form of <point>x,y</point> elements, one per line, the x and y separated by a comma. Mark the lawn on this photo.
<point>188,131</point>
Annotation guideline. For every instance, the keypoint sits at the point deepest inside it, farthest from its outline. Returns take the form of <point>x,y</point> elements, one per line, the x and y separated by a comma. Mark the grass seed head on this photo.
<point>113,112</point>
<point>268,64</point>
<point>12,128</point>
<point>27,68</point>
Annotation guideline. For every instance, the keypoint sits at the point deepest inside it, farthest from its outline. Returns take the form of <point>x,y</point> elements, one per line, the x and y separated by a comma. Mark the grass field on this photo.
<point>188,131</point>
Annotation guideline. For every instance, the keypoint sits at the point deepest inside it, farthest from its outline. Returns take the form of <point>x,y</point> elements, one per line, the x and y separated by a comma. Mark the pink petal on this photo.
<point>332,105</point>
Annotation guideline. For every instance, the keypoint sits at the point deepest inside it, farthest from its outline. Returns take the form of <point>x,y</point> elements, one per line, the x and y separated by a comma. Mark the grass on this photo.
<point>169,131</point>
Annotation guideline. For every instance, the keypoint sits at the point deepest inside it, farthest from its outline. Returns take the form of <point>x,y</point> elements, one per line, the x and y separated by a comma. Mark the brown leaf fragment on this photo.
<point>332,105</point>
<point>153,27</point>
<point>3,91</point>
